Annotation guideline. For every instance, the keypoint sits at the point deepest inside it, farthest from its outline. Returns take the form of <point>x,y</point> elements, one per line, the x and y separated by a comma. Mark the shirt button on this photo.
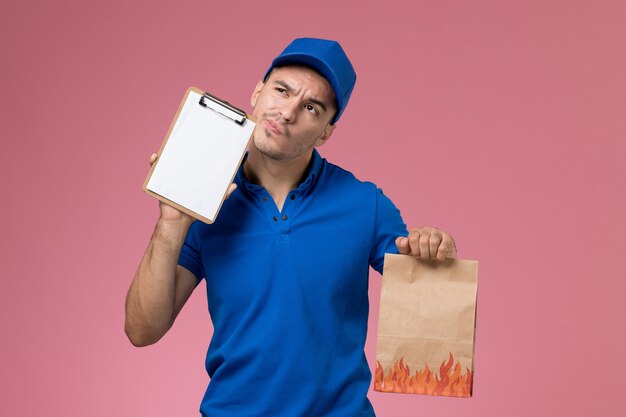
<point>293,196</point>
<point>275,218</point>
<point>284,217</point>
<point>264,198</point>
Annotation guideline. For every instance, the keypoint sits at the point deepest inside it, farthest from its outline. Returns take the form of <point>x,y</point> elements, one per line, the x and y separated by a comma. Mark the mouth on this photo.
<point>273,127</point>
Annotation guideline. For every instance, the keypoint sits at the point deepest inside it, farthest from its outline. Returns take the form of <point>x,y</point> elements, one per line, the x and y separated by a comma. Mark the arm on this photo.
<point>423,243</point>
<point>160,287</point>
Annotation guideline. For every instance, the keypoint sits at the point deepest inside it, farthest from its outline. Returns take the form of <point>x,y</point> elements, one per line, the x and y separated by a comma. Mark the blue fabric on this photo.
<point>287,294</point>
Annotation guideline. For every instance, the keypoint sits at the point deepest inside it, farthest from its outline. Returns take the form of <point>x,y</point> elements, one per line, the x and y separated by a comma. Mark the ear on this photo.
<point>256,92</point>
<point>328,131</point>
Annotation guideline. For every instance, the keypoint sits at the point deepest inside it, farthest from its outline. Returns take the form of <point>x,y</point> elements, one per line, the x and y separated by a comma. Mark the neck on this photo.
<point>277,177</point>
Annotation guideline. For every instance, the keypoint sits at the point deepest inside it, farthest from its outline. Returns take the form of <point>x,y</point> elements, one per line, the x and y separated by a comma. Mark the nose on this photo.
<point>289,110</point>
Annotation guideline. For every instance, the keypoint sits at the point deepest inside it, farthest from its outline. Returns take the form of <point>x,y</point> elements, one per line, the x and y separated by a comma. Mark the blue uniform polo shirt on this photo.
<point>287,294</point>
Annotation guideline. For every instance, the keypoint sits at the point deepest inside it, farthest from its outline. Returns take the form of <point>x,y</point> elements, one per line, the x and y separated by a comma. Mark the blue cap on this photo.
<point>326,57</point>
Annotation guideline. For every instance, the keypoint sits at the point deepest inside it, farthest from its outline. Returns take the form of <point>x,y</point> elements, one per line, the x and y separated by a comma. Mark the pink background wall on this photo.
<point>501,122</point>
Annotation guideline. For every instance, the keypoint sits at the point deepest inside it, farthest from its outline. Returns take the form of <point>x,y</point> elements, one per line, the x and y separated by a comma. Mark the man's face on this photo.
<point>293,110</point>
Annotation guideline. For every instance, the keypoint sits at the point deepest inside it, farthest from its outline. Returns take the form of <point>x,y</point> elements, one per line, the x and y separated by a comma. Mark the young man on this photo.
<point>286,263</point>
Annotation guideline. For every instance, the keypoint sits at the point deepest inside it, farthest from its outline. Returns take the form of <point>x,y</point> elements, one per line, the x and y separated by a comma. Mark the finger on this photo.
<point>414,245</point>
<point>451,250</point>
<point>231,189</point>
<point>424,246</point>
<point>449,246</point>
<point>442,252</point>
<point>403,245</point>
<point>153,158</point>
<point>434,243</point>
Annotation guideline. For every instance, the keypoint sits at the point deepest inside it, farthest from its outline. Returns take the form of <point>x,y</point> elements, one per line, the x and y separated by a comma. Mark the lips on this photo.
<point>273,127</point>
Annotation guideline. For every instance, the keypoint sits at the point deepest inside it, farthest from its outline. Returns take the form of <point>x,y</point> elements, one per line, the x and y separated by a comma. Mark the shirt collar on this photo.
<point>310,175</point>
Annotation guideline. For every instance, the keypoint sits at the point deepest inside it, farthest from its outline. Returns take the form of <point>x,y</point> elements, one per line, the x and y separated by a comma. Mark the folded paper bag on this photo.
<point>426,328</point>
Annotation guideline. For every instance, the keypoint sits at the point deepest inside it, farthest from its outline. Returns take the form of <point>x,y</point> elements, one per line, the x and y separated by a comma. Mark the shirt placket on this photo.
<point>281,220</point>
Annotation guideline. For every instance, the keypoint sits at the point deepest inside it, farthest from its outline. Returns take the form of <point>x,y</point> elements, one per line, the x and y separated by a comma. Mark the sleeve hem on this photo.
<point>187,264</point>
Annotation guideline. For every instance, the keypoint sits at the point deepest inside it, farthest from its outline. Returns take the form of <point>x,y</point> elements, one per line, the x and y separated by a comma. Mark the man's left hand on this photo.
<point>427,243</point>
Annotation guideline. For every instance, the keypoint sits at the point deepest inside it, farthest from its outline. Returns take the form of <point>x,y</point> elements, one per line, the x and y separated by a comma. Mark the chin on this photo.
<point>269,149</point>
<point>275,154</point>
<point>269,146</point>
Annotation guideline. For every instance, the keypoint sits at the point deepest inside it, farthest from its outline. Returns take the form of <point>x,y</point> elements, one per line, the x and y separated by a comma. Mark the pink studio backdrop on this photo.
<point>501,122</point>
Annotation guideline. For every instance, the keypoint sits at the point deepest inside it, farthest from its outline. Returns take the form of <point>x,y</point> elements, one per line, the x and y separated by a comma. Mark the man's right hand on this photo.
<point>172,214</point>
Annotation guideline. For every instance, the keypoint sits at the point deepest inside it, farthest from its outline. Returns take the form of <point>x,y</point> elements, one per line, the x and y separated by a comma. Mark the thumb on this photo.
<point>403,245</point>
<point>231,188</point>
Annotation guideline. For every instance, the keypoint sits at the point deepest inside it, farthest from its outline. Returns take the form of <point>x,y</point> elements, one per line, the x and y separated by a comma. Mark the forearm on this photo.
<point>150,299</point>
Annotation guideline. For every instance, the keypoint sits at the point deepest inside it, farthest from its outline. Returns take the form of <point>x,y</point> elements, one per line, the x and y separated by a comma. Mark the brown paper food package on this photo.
<point>426,328</point>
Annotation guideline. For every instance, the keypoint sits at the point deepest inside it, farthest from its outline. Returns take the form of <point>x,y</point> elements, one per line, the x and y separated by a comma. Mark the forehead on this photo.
<point>305,78</point>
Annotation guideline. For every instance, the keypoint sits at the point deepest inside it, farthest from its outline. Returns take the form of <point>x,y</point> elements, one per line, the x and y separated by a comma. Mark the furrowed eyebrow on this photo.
<point>319,103</point>
<point>284,84</point>
<point>291,90</point>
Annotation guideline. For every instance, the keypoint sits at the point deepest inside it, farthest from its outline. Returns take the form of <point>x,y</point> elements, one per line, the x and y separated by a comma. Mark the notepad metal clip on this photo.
<point>224,108</point>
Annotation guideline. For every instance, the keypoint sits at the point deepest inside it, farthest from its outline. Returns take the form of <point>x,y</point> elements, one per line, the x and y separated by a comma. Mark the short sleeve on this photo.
<point>388,226</point>
<point>191,252</point>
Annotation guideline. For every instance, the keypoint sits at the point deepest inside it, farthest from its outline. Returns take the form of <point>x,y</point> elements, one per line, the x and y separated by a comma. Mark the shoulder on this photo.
<point>365,194</point>
<point>341,178</point>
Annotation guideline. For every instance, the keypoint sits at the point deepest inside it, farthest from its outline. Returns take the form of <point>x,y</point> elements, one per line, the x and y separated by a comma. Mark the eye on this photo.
<point>281,90</point>
<point>311,109</point>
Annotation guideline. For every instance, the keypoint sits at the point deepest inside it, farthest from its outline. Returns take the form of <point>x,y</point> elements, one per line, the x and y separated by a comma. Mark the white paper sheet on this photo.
<point>200,158</point>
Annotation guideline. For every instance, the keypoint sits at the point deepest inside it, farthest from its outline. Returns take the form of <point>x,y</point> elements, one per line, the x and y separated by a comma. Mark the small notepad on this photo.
<point>200,155</point>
